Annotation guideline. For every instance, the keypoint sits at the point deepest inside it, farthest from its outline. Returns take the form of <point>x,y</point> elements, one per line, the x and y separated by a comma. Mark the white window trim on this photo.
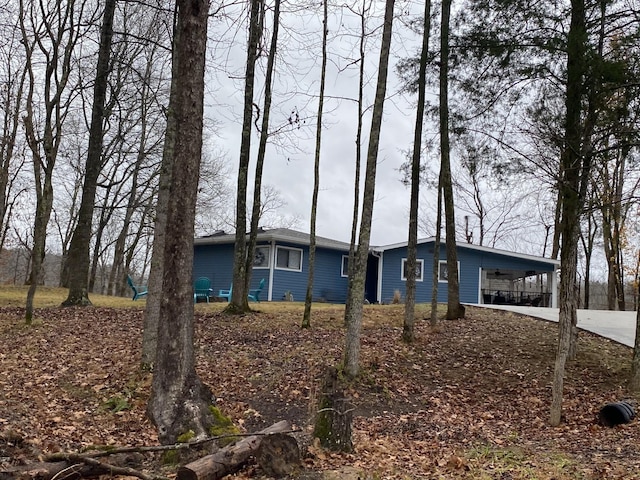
<point>267,257</point>
<point>447,281</point>
<point>287,268</point>
<point>418,261</point>
<point>342,272</point>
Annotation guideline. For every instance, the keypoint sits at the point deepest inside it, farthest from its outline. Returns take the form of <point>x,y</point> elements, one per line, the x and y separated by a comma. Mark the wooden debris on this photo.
<point>229,459</point>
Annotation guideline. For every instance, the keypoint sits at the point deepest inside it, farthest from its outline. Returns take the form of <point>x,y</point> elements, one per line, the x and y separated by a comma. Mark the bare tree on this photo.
<point>262,149</point>
<point>575,170</point>
<point>306,319</point>
<point>12,78</point>
<point>362,15</point>
<point>353,316</point>
<point>238,302</point>
<point>179,400</point>
<point>412,244</point>
<point>79,248</point>
<point>455,309</point>
<point>52,36</point>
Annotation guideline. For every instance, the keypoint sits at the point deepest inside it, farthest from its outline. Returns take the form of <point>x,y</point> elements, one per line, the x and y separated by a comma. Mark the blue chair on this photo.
<point>202,289</point>
<point>226,293</point>
<point>254,294</point>
<point>139,291</point>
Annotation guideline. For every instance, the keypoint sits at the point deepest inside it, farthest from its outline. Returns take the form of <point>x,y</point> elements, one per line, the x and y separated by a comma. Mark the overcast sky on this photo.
<point>290,157</point>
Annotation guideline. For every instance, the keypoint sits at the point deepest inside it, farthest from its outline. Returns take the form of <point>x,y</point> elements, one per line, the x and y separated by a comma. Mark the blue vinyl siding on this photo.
<point>216,263</point>
<point>469,260</point>
<point>392,274</point>
<point>328,285</point>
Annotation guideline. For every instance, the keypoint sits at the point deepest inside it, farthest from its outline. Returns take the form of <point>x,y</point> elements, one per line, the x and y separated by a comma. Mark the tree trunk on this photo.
<point>587,246</point>
<point>410,298</point>
<point>262,150</point>
<point>571,164</point>
<point>306,318</point>
<point>356,184</point>
<point>238,302</point>
<point>179,401</point>
<point>436,256</point>
<point>353,317</point>
<point>335,415</point>
<point>78,256</point>
<point>454,309</point>
<point>156,274</point>
<point>634,381</point>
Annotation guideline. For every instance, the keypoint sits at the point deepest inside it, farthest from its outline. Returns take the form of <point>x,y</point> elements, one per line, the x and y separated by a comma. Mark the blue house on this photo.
<point>282,259</point>
<point>486,275</point>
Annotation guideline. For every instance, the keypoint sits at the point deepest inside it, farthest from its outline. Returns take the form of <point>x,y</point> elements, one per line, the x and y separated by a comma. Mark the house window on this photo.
<point>261,257</point>
<point>443,271</point>
<point>345,266</point>
<point>288,258</point>
<point>419,269</point>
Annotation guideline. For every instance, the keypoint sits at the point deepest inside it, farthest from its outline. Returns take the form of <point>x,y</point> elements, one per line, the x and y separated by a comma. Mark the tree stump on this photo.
<point>335,414</point>
<point>278,455</point>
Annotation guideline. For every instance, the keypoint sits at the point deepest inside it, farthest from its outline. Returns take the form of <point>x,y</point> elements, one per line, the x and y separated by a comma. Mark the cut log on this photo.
<point>278,455</point>
<point>229,459</point>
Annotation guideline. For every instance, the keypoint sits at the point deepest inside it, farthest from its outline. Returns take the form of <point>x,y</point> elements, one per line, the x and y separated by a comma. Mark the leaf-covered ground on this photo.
<point>469,400</point>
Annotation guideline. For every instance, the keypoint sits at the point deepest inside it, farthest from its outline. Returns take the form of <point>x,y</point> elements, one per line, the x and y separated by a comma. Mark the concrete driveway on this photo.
<point>618,326</point>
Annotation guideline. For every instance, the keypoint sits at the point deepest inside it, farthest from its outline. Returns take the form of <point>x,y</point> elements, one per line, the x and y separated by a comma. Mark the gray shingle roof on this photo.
<point>276,234</point>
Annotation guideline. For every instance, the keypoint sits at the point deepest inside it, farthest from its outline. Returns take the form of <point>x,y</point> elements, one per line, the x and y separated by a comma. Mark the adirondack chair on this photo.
<point>254,294</point>
<point>202,289</point>
<point>226,293</point>
<point>139,291</point>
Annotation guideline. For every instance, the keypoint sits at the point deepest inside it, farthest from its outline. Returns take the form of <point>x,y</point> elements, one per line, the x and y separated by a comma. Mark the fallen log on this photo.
<point>229,459</point>
<point>278,455</point>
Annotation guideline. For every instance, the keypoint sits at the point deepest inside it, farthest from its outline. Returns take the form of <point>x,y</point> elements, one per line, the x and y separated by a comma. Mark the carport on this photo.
<point>513,286</point>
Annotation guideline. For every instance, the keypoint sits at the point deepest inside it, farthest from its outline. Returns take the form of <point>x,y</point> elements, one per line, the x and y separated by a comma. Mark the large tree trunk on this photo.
<point>353,316</point>
<point>156,274</point>
<point>412,244</point>
<point>179,400</point>
<point>78,256</point>
<point>306,319</point>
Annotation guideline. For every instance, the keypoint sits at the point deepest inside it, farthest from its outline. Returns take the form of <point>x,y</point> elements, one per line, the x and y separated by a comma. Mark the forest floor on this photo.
<point>468,400</point>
